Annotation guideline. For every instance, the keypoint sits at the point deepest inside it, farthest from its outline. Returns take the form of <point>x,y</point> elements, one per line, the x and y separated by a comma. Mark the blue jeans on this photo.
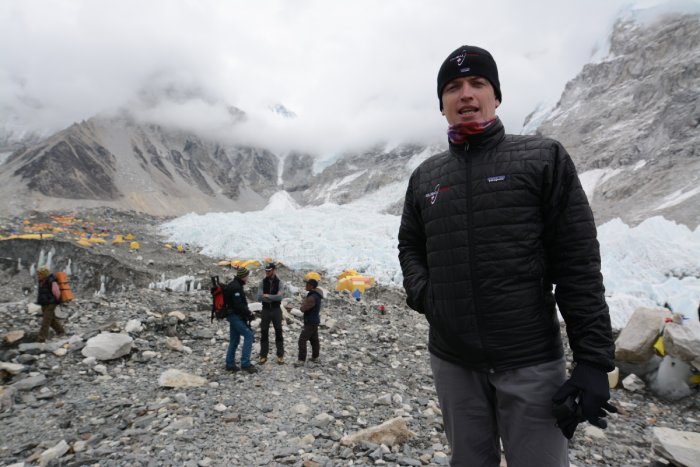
<point>238,328</point>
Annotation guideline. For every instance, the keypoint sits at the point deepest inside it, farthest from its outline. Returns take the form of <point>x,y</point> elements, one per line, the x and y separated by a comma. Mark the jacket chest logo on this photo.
<point>498,178</point>
<point>433,195</point>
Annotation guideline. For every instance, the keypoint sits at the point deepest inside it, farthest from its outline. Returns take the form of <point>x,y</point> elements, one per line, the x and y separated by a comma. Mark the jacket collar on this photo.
<point>489,138</point>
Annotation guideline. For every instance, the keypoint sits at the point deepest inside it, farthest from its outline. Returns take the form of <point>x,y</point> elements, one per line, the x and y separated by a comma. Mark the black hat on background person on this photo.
<point>242,272</point>
<point>468,60</point>
<point>270,267</point>
<point>312,282</point>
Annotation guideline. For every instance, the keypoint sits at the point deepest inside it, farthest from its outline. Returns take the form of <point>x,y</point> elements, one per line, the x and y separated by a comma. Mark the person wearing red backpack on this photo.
<point>48,296</point>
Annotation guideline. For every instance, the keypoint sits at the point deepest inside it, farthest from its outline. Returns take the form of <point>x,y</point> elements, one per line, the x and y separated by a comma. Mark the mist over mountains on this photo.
<point>629,120</point>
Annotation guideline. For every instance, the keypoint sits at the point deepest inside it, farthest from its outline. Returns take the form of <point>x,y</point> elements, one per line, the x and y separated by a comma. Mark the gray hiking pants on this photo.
<point>515,406</point>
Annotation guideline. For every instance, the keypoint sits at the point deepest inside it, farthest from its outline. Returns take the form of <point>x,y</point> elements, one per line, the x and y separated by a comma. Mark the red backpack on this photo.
<point>218,306</point>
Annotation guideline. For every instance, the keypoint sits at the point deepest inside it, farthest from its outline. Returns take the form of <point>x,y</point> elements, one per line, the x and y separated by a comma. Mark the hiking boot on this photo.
<point>299,363</point>
<point>316,360</point>
<point>233,368</point>
<point>280,360</point>
<point>250,369</point>
<point>262,360</point>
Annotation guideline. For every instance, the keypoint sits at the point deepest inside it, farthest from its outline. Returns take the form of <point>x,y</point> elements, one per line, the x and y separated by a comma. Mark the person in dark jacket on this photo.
<point>488,228</point>
<point>311,307</point>
<point>239,317</point>
<point>270,294</point>
<point>48,296</point>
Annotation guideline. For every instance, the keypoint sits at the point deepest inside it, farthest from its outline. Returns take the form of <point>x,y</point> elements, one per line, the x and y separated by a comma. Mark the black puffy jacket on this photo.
<point>487,229</point>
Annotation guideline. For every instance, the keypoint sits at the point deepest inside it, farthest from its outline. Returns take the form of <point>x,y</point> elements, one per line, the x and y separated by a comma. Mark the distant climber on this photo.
<point>311,307</point>
<point>48,297</point>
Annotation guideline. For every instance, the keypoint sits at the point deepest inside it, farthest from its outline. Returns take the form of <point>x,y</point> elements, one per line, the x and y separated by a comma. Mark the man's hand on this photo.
<point>584,397</point>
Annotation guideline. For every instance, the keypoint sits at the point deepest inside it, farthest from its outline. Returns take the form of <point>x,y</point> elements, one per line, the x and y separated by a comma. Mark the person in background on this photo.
<point>48,296</point>
<point>311,307</point>
<point>239,318</point>
<point>270,294</point>
<point>488,227</point>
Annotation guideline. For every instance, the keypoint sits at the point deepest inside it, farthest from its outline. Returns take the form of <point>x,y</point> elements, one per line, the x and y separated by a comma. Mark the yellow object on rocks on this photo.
<point>659,346</point>
<point>134,245</point>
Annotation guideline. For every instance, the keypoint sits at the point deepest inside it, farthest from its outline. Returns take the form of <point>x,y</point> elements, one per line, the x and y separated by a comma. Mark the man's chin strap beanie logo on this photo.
<point>468,61</point>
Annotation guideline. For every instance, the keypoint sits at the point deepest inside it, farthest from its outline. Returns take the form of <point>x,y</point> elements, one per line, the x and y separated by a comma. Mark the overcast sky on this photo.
<point>354,72</point>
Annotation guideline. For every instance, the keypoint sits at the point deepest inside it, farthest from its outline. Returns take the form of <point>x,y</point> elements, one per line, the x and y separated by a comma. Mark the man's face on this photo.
<point>245,279</point>
<point>269,273</point>
<point>470,99</point>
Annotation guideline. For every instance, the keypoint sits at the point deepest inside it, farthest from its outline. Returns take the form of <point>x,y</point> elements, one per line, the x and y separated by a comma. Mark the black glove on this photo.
<point>583,397</point>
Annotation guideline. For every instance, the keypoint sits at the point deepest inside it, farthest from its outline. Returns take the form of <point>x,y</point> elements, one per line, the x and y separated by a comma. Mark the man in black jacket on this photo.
<point>239,317</point>
<point>488,227</point>
<point>270,294</point>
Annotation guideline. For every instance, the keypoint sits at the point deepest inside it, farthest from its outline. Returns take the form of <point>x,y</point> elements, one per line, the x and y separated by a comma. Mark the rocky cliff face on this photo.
<point>631,122</point>
<point>118,163</point>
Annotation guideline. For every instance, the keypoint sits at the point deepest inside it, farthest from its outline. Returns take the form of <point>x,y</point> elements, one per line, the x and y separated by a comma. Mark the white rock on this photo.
<point>682,341</point>
<point>108,346</point>
<point>178,314</point>
<point>147,355</point>
<point>11,368</point>
<point>53,453</point>
<point>297,312</point>
<point>636,341</point>
<point>79,446</point>
<point>255,307</point>
<point>174,378</point>
<point>220,408</point>
<point>322,419</point>
<point>60,352</point>
<point>679,447</point>
<point>594,432</point>
<point>173,343</point>
<point>101,369</point>
<point>633,383</point>
<point>33,309</point>
<point>390,433</point>
<point>300,409</point>
<point>133,326</point>
<point>89,361</point>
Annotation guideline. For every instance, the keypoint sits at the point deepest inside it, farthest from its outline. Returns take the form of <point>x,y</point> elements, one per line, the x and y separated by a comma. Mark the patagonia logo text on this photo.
<point>432,196</point>
<point>498,178</point>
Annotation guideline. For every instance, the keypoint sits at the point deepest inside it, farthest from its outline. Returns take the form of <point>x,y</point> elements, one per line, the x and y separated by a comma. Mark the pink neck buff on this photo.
<point>460,133</point>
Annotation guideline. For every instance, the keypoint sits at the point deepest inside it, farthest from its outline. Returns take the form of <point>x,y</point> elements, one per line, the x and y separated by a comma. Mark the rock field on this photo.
<point>58,407</point>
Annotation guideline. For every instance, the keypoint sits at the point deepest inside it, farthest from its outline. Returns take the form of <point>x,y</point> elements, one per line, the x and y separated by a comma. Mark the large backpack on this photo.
<point>64,287</point>
<point>218,305</point>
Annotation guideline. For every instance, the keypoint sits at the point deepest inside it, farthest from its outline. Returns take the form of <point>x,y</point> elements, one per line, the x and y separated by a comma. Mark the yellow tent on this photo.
<point>251,264</point>
<point>118,239</point>
<point>352,283</point>
<point>129,237</point>
<point>35,236</point>
<point>84,242</point>
<point>134,245</point>
<point>96,240</point>
<point>348,272</point>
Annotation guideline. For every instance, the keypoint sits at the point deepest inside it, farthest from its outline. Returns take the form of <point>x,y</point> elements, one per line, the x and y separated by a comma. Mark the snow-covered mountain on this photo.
<point>632,122</point>
<point>629,120</point>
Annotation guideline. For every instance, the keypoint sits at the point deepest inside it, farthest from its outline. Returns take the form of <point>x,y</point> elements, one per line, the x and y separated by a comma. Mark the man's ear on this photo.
<point>498,102</point>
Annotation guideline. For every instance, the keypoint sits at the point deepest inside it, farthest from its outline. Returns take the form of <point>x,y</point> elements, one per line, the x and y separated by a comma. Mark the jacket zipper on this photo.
<point>472,258</point>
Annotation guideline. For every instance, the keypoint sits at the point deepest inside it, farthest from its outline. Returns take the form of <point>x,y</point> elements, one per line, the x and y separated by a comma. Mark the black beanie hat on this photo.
<point>468,61</point>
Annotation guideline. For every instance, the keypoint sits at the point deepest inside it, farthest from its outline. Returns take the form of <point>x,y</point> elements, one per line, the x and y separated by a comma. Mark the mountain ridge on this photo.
<point>629,121</point>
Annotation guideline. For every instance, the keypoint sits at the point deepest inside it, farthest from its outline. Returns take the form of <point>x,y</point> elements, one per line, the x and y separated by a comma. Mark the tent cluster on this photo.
<point>70,228</point>
<point>354,282</point>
